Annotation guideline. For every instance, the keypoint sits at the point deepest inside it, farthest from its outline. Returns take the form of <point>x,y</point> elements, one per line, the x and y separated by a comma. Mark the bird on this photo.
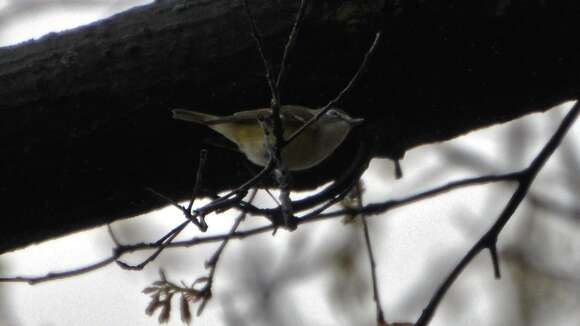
<point>245,129</point>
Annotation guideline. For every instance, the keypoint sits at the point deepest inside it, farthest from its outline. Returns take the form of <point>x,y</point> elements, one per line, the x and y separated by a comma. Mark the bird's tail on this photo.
<point>192,116</point>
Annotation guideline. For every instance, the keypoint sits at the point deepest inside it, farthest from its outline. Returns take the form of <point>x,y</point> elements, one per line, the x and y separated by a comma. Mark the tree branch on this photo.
<point>489,239</point>
<point>85,126</point>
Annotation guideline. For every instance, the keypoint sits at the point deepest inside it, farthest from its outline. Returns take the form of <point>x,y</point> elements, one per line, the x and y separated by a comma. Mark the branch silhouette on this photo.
<point>290,213</point>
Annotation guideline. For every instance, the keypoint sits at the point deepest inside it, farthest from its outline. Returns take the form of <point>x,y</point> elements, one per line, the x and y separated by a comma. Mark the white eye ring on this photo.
<point>332,113</point>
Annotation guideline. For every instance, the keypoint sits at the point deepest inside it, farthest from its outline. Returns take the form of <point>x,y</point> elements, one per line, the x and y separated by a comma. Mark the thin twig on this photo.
<point>367,209</point>
<point>167,239</point>
<point>164,197</point>
<point>344,91</point>
<point>171,235</point>
<point>162,291</point>
<point>342,185</point>
<point>281,173</point>
<point>489,239</point>
<point>275,149</point>
<point>113,236</point>
<point>333,200</point>
<point>290,44</point>
<point>271,195</point>
<point>275,100</point>
<point>184,210</point>
<point>325,206</point>
<point>217,204</point>
<point>376,297</point>
<point>382,207</point>
<point>52,276</point>
<point>198,178</point>
<point>212,262</point>
<point>260,44</point>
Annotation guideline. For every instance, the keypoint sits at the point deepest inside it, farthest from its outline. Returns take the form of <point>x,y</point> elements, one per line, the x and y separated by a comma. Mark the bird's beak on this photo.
<point>355,121</point>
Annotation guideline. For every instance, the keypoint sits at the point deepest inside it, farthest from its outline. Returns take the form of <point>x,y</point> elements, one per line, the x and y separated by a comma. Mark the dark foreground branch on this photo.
<point>91,103</point>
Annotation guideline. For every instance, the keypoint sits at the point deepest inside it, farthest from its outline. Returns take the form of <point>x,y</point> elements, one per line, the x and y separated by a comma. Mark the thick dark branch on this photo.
<point>85,126</point>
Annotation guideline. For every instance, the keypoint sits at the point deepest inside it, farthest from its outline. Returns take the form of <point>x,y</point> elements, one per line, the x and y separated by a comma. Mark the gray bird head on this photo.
<point>339,116</point>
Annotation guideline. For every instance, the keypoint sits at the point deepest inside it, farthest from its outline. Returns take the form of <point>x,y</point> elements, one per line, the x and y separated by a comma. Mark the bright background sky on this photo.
<point>416,246</point>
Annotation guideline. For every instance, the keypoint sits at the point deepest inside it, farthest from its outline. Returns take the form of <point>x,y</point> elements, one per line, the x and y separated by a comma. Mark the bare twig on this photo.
<point>326,205</point>
<point>198,178</point>
<point>342,185</point>
<point>376,297</point>
<point>113,236</point>
<point>290,44</point>
<point>167,239</point>
<point>166,198</point>
<point>52,276</point>
<point>344,91</point>
<point>184,210</point>
<point>398,170</point>
<point>489,239</point>
<point>275,100</point>
<point>370,209</point>
<point>281,172</point>
<point>260,44</point>
<point>162,291</point>
<point>382,207</point>
<point>238,193</point>
<point>212,262</point>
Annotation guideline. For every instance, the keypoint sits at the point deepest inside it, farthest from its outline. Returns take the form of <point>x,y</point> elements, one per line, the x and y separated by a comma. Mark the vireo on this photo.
<point>311,147</point>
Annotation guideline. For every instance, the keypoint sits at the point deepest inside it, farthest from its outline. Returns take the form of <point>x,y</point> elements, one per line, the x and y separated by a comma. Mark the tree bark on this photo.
<point>85,123</point>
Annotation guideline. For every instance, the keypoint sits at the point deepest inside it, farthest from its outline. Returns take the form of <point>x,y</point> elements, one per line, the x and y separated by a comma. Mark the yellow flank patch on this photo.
<point>249,133</point>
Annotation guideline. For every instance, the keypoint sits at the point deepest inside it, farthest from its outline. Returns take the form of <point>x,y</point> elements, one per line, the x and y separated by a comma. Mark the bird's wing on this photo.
<point>297,113</point>
<point>292,114</point>
<point>192,116</point>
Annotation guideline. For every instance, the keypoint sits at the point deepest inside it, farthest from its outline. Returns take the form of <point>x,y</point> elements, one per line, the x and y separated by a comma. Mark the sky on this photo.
<point>21,20</point>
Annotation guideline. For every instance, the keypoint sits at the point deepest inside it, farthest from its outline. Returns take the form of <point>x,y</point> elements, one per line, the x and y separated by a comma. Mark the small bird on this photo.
<point>310,148</point>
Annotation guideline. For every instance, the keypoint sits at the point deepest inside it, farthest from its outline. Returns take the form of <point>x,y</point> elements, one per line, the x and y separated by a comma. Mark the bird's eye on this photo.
<point>332,113</point>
